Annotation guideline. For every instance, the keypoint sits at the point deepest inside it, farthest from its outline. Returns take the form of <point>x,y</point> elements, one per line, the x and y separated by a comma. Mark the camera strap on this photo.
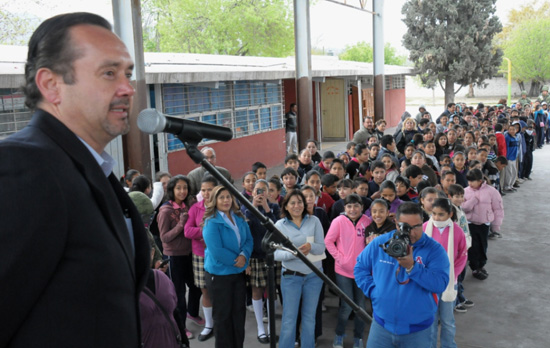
<point>397,277</point>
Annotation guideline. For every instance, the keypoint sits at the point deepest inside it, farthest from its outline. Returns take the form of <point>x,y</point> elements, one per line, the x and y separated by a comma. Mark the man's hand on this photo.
<point>240,261</point>
<point>407,261</point>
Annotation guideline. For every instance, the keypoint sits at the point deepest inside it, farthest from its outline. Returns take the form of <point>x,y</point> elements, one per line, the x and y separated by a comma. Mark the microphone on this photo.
<point>151,121</point>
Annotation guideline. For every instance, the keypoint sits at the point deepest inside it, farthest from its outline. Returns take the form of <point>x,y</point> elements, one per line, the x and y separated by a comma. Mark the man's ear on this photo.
<point>48,83</point>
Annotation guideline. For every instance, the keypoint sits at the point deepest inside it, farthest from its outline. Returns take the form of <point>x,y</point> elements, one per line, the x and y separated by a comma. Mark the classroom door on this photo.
<point>333,110</point>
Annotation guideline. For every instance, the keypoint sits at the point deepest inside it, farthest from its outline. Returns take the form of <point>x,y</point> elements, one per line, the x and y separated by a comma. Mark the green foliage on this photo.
<point>391,57</point>
<point>527,49</point>
<point>232,27</point>
<point>360,52</point>
<point>16,29</point>
<point>520,41</point>
<point>525,13</point>
<point>363,52</point>
<point>451,41</point>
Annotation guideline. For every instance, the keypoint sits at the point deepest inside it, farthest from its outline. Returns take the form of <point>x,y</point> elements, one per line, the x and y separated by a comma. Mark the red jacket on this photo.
<point>325,202</point>
<point>501,144</point>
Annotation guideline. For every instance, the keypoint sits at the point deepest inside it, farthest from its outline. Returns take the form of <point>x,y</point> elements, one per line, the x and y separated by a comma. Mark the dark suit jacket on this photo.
<point>69,275</point>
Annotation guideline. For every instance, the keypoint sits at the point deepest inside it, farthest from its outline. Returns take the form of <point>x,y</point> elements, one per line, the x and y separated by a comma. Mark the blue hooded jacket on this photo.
<point>403,308</point>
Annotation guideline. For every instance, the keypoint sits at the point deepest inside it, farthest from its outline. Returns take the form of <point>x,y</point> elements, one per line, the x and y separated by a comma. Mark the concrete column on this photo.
<point>127,20</point>
<point>304,93</point>
<point>378,61</point>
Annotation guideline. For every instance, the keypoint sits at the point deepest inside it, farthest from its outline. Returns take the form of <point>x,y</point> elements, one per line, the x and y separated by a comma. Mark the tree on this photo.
<point>529,52</point>
<point>525,57</point>
<point>451,41</point>
<point>16,29</point>
<point>232,27</point>
<point>363,52</point>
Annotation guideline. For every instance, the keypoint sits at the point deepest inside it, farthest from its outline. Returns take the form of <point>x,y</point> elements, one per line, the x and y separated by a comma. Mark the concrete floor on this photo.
<point>512,306</point>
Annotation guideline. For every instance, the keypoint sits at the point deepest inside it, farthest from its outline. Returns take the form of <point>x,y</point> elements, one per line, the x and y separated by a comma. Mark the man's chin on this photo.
<point>115,131</point>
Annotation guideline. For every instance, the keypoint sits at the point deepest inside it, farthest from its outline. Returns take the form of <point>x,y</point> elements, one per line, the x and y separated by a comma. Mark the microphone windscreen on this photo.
<point>151,121</point>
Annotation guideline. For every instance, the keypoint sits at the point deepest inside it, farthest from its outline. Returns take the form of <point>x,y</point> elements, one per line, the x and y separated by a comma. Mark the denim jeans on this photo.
<point>308,289</point>
<point>382,338</point>
<point>350,288</point>
<point>445,314</point>
<point>460,288</point>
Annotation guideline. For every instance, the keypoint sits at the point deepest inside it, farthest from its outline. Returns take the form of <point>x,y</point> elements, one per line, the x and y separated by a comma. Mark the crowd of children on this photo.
<point>456,168</point>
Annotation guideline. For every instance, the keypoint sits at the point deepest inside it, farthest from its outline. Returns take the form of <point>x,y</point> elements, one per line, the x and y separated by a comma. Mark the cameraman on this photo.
<point>403,290</point>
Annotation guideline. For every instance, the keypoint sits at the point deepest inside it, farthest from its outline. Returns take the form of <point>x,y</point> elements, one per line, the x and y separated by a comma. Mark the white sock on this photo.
<point>259,314</point>
<point>208,321</point>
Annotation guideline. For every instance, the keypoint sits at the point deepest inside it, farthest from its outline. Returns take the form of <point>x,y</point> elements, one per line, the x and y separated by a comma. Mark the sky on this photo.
<point>332,26</point>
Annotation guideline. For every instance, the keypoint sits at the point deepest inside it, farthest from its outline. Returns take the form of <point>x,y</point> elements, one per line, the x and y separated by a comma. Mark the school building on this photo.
<point>250,95</point>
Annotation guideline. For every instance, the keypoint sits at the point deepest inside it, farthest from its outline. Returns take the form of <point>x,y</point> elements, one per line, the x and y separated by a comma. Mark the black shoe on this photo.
<point>461,308</point>
<point>479,275</point>
<point>263,339</point>
<point>203,338</point>
<point>484,271</point>
<point>468,304</point>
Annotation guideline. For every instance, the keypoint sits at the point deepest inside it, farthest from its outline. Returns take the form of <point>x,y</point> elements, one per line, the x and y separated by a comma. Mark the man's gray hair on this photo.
<point>206,148</point>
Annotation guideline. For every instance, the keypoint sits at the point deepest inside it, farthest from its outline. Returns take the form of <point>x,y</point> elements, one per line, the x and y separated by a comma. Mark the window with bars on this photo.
<point>14,115</point>
<point>247,107</point>
<point>398,82</point>
<point>394,82</point>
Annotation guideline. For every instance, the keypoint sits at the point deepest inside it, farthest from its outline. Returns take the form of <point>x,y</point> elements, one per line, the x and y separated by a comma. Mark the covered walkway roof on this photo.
<point>197,68</point>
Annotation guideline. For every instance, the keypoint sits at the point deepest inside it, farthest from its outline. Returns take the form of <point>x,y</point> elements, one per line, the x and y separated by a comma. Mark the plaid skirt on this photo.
<point>258,273</point>
<point>198,271</point>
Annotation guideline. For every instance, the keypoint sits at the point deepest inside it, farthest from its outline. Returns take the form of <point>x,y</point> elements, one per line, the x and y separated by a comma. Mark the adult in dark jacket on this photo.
<point>75,253</point>
<point>291,122</point>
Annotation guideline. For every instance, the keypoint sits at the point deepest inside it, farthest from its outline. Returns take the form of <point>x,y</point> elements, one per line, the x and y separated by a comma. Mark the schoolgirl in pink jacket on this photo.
<point>345,240</point>
<point>483,208</point>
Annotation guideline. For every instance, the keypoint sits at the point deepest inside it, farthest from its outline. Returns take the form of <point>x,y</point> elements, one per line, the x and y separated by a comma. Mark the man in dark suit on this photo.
<point>74,251</point>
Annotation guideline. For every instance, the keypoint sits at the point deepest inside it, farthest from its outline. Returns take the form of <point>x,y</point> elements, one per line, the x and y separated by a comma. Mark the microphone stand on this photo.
<point>274,239</point>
